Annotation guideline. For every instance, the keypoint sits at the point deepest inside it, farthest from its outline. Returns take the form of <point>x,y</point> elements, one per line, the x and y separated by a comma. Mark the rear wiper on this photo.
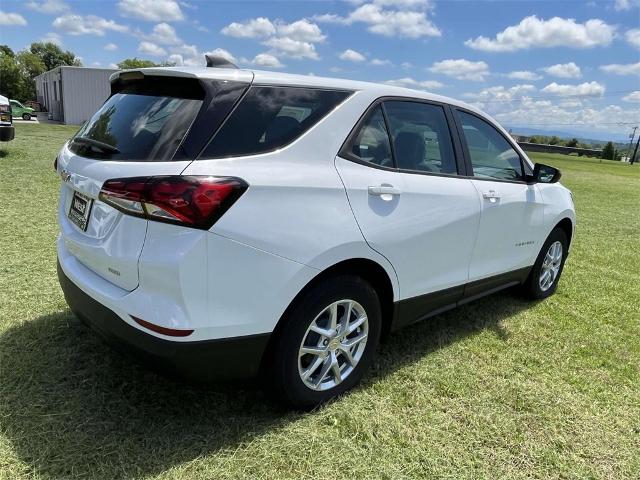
<point>105,147</point>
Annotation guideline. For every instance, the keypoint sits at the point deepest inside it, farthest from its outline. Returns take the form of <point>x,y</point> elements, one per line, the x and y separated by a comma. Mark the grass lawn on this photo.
<point>499,388</point>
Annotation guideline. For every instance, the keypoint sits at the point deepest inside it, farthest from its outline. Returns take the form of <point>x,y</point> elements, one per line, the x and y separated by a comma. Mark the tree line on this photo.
<point>19,69</point>
<point>610,150</point>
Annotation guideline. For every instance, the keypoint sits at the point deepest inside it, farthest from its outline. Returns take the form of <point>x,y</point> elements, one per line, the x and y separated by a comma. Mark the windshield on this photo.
<point>137,125</point>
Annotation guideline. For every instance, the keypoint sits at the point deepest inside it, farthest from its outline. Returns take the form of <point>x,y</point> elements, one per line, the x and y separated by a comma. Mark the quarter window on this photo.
<point>492,156</point>
<point>371,144</point>
<point>421,137</point>
<point>268,118</point>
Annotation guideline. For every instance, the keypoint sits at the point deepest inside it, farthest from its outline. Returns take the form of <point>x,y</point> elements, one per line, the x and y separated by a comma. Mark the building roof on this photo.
<point>73,67</point>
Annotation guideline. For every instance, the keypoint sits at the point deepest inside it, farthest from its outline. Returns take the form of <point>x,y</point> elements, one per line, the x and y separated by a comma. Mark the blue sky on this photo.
<point>571,66</point>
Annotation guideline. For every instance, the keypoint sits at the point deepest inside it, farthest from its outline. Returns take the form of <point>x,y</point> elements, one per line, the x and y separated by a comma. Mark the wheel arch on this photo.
<point>566,225</point>
<point>369,270</point>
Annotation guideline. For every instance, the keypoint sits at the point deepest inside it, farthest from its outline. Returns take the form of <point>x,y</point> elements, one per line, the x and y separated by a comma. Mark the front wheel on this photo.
<point>26,116</point>
<point>545,274</point>
<point>326,343</point>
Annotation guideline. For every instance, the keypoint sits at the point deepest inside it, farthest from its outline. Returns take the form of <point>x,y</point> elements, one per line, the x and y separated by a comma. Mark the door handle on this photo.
<point>384,190</point>
<point>491,195</point>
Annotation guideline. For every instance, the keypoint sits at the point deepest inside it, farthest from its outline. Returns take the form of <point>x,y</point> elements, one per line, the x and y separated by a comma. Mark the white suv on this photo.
<point>222,222</point>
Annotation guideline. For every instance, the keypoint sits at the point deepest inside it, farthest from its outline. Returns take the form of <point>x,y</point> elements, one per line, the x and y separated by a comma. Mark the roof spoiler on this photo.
<point>217,61</point>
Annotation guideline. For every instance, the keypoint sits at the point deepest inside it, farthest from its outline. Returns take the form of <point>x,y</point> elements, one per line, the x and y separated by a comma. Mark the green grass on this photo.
<point>499,388</point>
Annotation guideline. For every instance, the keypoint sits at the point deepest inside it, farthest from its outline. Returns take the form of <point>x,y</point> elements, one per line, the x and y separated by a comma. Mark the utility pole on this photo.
<point>633,134</point>
<point>635,151</point>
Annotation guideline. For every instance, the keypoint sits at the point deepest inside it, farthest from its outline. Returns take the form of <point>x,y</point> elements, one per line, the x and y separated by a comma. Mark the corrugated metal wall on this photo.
<point>48,93</point>
<point>83,91</point>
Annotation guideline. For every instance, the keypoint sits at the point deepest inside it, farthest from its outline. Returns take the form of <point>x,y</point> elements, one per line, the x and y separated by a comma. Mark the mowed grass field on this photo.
<point>500,388</point>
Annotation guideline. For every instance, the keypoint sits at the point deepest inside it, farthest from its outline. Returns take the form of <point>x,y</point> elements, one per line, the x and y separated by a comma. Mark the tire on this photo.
<point>26,116</point>
<point>285,365</point>
<point>534,287</point>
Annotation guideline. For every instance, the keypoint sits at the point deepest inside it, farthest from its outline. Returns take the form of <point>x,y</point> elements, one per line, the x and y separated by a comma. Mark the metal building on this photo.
<point>72,94</point>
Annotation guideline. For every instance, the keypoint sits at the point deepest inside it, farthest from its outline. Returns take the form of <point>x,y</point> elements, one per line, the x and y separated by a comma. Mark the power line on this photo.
<point>556,97</point>
<point>577,124</point>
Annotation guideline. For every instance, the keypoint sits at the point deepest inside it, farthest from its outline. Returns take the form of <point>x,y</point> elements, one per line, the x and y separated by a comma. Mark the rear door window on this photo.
<point>371,143</point>
<point>421,137</point>
<point>142,121</point>
<point>268,118</point>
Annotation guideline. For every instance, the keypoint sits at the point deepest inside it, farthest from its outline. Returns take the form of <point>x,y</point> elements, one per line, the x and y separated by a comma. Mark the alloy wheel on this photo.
<point>550,266</point>
<point>333,345</point>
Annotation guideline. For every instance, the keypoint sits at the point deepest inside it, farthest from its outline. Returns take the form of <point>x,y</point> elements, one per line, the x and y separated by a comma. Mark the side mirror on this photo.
<point>544,174</point>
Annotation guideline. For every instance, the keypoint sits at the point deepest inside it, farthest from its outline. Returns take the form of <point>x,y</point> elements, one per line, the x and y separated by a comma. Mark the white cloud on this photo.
<point>409,82</point>
<point>533,32</point>
<point>586,89</point>
<point>52,37</point>
<point>632,97</point>
<point>549,114</point>
<point>74,24</point>
<point>302,31</point>
<point>220,52</point>
<point>48,6</point>
<point>11,19</point>
<point>267,60</point>
<point>633,37</point>
<point>622,69</point>
<point>564,70</point>
<point>524,75</point>
<point>626,4</point>
<point>149,48</point>
<point>292,48</point>
<point>151,10</point>
<point>111,47</point>
<point>406,65</point>
<point>255,28</point>
<point>190,56</point>
<point>352,56</point>
<point>378,62</point>
<point>461,69</point>
<point>500,93</point>
<point>164,34</point>
<point>295,40</point>
<point>401,18</point>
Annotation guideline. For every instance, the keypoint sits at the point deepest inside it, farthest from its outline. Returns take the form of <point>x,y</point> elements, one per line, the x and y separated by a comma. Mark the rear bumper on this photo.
<point>204,360</point>
<point>7,133</point>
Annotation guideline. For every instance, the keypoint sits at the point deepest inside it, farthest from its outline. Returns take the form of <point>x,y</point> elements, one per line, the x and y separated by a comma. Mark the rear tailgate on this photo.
<point>112,242</point>
<point>154,124</point>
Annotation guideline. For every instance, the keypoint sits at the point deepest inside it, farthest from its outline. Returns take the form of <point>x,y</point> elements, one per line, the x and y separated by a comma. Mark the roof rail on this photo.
<point>217,61</point>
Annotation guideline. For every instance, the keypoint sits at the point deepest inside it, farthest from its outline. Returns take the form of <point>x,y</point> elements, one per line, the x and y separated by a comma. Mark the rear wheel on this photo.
<point>545,274</point>
<point>26,116</point>
<point>326,343</point>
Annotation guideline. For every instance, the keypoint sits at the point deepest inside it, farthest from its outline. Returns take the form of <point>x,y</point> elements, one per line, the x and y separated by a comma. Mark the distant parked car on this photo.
<point>6,121</point>
<point>19,110</point>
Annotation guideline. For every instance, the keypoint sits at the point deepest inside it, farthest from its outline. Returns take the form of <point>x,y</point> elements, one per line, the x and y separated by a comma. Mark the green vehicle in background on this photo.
<point>19,110</point>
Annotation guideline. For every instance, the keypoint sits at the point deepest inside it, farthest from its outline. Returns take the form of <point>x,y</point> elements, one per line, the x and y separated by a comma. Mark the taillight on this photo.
<point>192,201</point>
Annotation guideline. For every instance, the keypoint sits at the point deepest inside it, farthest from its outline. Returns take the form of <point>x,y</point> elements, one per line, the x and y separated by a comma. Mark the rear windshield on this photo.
<point>269,118</point>
<point>141,121</point>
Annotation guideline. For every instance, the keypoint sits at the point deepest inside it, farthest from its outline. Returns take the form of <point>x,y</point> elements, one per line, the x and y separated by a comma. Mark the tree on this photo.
<point>6,50</point>
<point>554,140</point>
<point>572,143</point>
<point>13,81</point>
<point>53,56</point>
<point>136,63</point>
<point>609,151</point>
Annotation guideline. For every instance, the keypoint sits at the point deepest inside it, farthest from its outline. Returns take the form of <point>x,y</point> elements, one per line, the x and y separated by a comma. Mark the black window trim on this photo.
<point>349,93</point>
<point>526,169</point>
<point>345,151</point>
